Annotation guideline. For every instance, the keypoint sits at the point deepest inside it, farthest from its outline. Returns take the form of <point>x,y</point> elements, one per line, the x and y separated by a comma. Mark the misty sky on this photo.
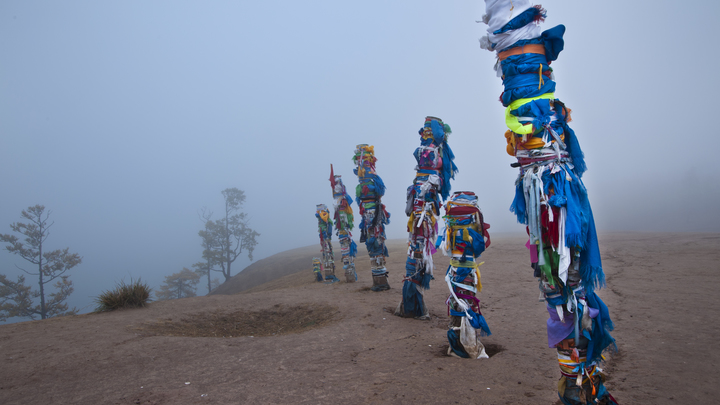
<point>125,118</point>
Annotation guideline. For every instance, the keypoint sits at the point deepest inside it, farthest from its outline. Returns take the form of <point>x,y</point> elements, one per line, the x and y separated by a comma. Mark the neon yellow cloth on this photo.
<point>512,121</point>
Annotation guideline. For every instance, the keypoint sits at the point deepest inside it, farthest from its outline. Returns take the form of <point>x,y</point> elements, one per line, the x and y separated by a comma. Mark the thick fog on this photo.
<point>126,118</point>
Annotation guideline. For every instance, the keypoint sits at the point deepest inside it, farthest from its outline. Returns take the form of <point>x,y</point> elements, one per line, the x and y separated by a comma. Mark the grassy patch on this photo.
<point>132,295</point>
<point>278,320</point>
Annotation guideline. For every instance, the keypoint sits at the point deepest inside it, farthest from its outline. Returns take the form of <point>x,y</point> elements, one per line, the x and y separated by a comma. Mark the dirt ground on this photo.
<point>345,346</point>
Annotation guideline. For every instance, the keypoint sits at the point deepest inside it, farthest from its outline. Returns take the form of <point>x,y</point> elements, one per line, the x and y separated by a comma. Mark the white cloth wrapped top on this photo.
<point>497,14</point>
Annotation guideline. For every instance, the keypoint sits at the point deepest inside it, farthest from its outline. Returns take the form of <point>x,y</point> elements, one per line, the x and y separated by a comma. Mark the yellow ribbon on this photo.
<point>561,386</point>
<point>465,233</point>
<point>512,121</point>
<point>476,266</point>
<point>411,222</point>
<point>458,263</point>
<point>540,78</point>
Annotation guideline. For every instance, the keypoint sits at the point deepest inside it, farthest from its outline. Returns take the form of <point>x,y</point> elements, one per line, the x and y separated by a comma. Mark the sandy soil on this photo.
<point>662,294</point>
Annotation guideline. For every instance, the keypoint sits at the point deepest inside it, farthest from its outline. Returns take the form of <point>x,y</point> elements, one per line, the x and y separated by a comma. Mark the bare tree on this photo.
<point>17,298</point>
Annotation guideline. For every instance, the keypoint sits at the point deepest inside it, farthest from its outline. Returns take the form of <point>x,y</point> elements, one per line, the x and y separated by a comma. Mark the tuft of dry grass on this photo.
<point>278,320</point>
<point>132,295</point>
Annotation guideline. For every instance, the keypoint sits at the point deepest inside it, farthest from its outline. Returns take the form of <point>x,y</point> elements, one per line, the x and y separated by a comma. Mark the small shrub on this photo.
<point>135,294</point>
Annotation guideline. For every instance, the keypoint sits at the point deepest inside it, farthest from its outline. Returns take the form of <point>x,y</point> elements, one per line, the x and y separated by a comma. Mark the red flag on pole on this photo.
<point>332,177</point>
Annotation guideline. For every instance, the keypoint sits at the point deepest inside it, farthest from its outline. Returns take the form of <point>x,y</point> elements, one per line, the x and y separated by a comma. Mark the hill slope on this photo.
<point>269,269</point>
<point>295,262</point>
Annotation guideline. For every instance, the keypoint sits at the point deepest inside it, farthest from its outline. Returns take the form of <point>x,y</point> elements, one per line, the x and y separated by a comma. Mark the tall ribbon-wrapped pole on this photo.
<point>325,226</point>
<point>430,188</point>
<point>464,238</point>
<point>344,225</point>
<point>318,269</point>
<point>550,197</point>
<point>369,194</point>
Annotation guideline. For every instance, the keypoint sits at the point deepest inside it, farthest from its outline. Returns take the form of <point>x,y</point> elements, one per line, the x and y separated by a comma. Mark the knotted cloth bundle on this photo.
<point>550,197</point>
<point>374,216</point>
<point>464,238</point>
<point>429,190</point>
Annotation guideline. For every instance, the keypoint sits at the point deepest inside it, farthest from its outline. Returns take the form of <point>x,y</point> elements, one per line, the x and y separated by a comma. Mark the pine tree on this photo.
<point>17,299</point>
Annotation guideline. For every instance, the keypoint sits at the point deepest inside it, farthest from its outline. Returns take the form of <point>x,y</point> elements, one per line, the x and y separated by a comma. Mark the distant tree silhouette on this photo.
<point>17,299</point>
<point>225,239</point>
<point>179,285</point>
<point>212,255</point>
<point>205,269</point>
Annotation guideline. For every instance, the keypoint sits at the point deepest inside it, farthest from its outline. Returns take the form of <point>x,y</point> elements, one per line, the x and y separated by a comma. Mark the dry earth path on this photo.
<point>662,294</point>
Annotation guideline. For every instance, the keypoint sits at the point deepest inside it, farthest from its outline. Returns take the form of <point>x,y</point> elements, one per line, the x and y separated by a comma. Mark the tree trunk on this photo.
<point>209,284</point>
<point>227,236</point>
<point>43,310</point>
